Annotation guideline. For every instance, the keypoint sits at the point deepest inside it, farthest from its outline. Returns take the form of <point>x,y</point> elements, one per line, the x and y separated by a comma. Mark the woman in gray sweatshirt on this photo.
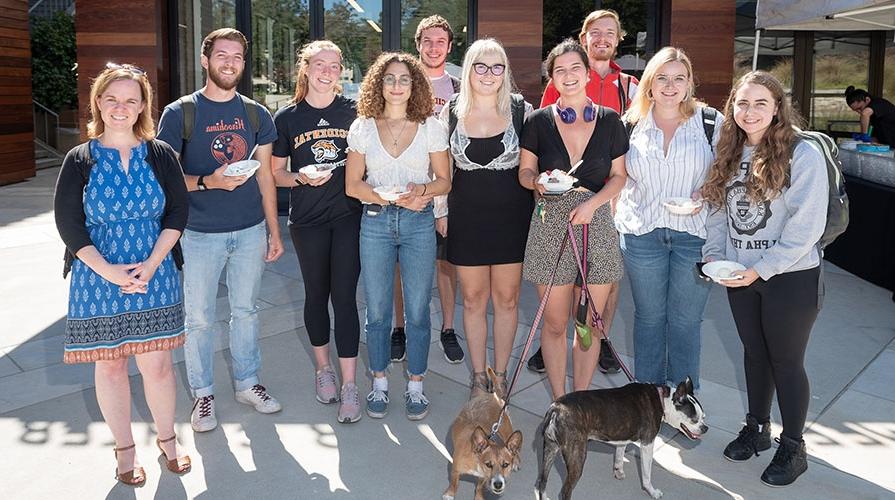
<point>767,195</point>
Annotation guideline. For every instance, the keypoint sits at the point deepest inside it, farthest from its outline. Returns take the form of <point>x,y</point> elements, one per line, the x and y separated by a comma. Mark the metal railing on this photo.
<point>46,124</point>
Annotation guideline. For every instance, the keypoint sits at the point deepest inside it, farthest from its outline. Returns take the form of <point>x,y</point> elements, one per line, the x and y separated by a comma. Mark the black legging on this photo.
<point>774,319</point>
<point>329,257</point>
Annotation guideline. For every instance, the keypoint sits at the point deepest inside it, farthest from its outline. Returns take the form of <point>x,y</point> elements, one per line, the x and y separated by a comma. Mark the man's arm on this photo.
<point>269,202</point>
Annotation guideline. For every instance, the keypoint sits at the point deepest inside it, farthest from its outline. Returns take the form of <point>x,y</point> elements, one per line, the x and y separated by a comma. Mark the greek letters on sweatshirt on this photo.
<point>778,235</point>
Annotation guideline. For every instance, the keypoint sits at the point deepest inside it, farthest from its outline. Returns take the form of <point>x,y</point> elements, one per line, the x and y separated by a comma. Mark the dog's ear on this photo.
<point>688,384</point>
<point>514,444</point>
<point>681,391</point>
<point>480,440</point>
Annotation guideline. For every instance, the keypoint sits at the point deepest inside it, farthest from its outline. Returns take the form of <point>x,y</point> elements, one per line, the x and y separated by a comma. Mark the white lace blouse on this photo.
<point>412,165</point>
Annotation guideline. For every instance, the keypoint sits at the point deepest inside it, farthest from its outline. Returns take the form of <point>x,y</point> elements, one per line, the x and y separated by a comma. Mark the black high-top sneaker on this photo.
<point>536,362</point>
<point>788,463</point>
<point>399,347</point>
<point>754,437</point>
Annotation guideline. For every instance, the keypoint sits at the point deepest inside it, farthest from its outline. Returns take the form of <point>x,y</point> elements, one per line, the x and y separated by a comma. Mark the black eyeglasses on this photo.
<point>482,68</point>
<point>126,67</point>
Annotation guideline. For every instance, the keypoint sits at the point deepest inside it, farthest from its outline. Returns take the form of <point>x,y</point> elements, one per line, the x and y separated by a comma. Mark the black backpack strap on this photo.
<point>452,116</point>
<point>455,83</point>
<point>517,112</point>
<point>623,92</point>
<point>253,114</point>
<point>709,117</point>
<point>188,106</point>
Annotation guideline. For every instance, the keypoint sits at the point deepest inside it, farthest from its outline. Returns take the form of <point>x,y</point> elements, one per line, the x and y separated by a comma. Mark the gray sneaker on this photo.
<point>349,410</point>
<point>377,403</point>
<point>326,386</point>
<point>416,404</point>
<point>258,397</point>
<point>202,417</point>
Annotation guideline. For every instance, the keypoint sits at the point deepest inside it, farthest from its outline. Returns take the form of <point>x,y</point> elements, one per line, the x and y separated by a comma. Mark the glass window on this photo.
<point>195,20</point>
<point>840,59</point>
<point>775,51</point>
<point>889,68</point>
<point>279,29</point>
<point>356,27</point>
<point>639,18</point>
<point>455,11</point>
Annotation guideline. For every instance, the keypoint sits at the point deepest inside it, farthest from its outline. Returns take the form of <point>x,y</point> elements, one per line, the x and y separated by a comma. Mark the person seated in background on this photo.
<point>877,115</point>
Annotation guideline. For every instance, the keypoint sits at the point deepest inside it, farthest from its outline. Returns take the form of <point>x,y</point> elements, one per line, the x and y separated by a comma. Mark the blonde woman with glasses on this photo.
<point>488,211</point>
<point>662,229</point>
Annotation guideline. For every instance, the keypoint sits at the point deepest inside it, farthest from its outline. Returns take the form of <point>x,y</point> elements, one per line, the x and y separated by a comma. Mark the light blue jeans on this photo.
<point>669,300</point>
<point>205,255</point>
<point>398,234</point>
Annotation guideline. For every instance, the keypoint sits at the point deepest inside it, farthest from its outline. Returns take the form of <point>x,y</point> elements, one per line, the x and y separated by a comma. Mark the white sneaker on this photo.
<point>258,397</point>
<point>202,417</point>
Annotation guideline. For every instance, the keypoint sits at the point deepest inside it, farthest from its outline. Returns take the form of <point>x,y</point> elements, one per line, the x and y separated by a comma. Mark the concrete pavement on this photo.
<point>54,442</point>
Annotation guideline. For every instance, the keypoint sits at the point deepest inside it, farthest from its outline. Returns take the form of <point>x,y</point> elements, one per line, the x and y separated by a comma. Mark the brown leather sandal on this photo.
<point>135,477</point>
<point>480,384</point>
<point>178,465</point>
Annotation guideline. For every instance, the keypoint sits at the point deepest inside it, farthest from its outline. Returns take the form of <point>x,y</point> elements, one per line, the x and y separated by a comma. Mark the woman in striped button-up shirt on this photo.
<point>669,156</point>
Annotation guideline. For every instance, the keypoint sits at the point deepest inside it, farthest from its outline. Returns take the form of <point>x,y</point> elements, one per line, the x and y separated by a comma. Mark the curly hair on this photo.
<point>303,64</point>
<point>770,159</point>
<point>435,21</point>
<point>371,102</point>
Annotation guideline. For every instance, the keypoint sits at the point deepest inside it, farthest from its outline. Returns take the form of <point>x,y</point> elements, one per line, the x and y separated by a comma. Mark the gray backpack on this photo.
<point>837,208</point>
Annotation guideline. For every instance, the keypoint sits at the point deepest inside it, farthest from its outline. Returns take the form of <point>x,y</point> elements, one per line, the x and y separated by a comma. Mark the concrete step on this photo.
<point>47,162</point>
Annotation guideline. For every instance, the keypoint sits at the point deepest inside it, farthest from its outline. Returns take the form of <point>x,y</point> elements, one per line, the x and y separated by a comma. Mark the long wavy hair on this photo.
<point>643,99</point>
<point>144,127</point>
<point>371,102</point>
<point>479,49</point>
<point>770,159</point>
<point>303,64</point>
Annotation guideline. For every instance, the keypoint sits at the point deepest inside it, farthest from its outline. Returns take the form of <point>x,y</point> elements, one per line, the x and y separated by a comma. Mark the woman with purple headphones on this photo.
<point>572,132</point>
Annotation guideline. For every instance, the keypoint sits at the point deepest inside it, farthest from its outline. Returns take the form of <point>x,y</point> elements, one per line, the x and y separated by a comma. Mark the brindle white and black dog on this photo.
<point>619,416</point>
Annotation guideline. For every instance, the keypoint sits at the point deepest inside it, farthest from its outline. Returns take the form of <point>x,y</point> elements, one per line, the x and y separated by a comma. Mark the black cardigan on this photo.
<point>71,222</point>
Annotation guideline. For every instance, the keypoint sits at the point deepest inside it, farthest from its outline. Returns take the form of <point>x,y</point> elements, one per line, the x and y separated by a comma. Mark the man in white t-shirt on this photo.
<point>434,40</point>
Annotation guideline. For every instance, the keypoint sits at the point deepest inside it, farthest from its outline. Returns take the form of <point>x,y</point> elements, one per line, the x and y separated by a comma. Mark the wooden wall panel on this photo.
<point>103,36</point>
<point>705,30</point>
<point>518,26</point>
<point>16,119</point>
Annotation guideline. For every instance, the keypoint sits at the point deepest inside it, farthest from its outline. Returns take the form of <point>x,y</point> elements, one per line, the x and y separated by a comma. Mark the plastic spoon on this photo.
<point>575,167</point>
<point>252,153</point>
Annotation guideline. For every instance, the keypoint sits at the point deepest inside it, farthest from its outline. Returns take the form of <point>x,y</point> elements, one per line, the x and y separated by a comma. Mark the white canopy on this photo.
<point>825,15</point>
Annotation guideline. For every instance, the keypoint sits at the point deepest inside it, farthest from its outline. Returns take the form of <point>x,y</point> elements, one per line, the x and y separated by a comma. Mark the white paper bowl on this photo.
<point>681,206</point>
<point>390,193</point>
<point>244,167</point>
<point>722,270</point>
<point>562,184</point>
<point>316,171</point>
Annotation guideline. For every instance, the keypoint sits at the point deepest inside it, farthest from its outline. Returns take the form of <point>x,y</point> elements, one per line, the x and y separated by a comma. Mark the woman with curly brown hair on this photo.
<point>395,146</point>
<point>767,195</point>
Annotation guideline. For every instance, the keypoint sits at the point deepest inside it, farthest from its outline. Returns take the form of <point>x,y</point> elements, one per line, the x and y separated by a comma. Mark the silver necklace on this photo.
<point>400,134</point>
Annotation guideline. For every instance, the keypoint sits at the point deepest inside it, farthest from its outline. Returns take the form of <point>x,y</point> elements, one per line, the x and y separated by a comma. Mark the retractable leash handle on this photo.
<point>598,320</point>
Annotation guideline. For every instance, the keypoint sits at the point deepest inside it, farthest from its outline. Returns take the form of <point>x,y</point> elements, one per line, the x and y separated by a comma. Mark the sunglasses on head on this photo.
<point>482,68</point>
<point>136,70</point>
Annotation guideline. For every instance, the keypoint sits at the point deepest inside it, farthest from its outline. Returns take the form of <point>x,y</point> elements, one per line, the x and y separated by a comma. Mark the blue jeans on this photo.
<point>398,234</point>
<point>669,300</point>
<point>205,256</point>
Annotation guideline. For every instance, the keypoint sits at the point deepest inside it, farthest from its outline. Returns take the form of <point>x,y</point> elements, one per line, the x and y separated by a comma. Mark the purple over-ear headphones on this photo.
<point>568,115</point>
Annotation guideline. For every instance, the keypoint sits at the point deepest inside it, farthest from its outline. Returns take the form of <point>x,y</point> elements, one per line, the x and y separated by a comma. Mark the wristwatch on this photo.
<point>200,183</point>
<point>298,180</point>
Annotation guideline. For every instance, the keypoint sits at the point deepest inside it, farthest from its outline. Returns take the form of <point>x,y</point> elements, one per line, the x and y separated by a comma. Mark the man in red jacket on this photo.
<point>607,86</point>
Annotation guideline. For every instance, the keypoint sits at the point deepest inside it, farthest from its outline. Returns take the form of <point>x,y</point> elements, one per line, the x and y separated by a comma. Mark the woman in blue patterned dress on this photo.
<point>120,206</point>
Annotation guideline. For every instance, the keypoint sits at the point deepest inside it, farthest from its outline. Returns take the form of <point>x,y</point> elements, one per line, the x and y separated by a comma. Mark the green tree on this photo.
<point>53,61</point>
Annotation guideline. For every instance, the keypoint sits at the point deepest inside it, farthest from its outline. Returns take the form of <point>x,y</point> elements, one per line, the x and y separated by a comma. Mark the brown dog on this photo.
<point>475,454</point>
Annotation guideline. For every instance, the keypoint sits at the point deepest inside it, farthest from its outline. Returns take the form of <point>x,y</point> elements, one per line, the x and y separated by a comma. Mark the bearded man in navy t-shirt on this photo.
<point>232,224</point>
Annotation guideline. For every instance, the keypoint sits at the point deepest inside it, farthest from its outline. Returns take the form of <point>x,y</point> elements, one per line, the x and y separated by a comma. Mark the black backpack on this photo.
<point>837,207</point>
<point>188,105</point>
<point>517,111</point>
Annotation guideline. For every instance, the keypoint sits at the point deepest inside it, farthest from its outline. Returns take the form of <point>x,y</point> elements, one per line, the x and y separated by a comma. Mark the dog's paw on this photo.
<point>618,473</point>
<point>447,497</point>
<point>656,493</point>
